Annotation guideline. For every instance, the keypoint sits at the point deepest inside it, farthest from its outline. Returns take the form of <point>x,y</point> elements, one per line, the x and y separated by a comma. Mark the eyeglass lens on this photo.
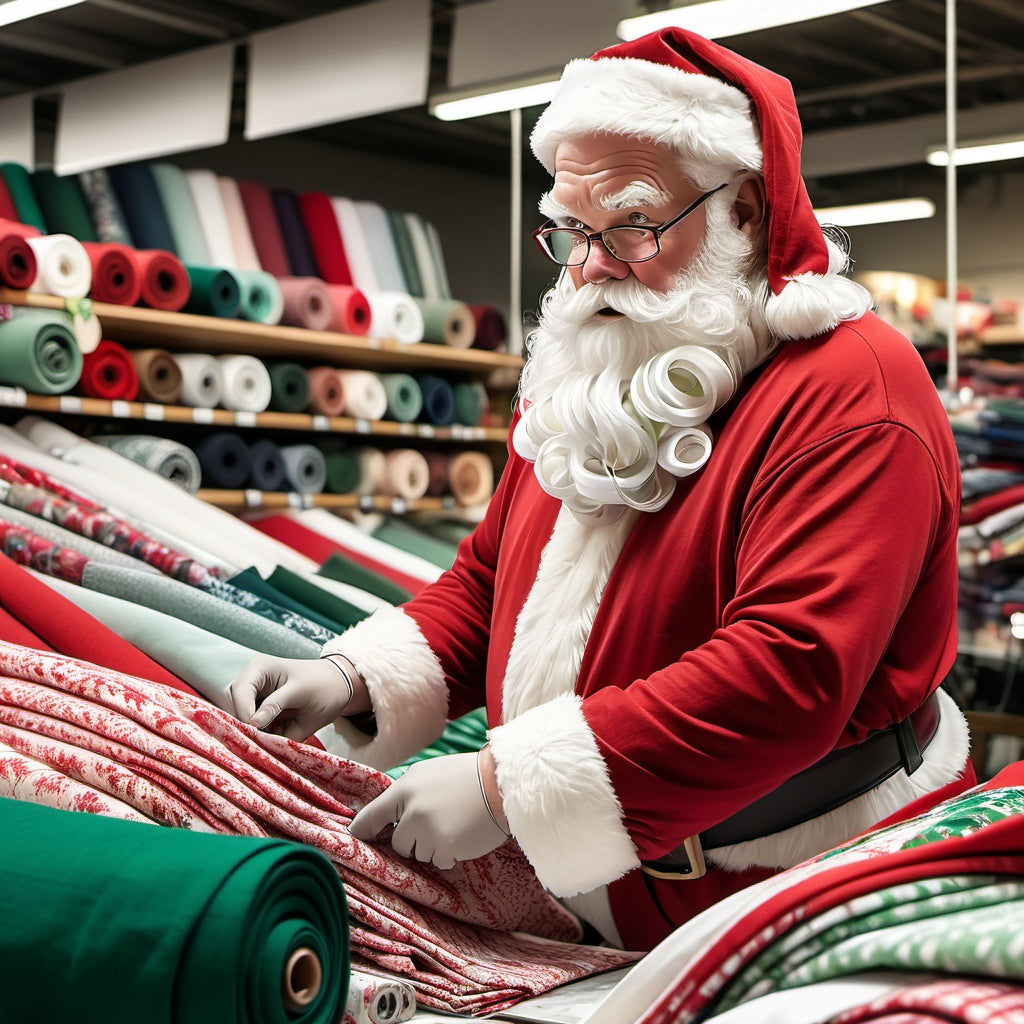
<point>568,246</point>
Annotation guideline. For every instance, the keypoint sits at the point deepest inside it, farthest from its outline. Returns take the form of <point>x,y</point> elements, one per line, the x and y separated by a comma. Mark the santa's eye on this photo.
<point>637,218</point>
<point>572,222</point>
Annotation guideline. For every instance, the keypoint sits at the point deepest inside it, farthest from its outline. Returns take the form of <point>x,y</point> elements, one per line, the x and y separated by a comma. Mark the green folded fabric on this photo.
<point>38,352</point>
<point>121,921</point>
<point>250,580</point>
<point>63,204</point>
<point>402,238</point>
<point>307,592</point>
<point>23,195</point>
<point>398,533</point>
<point>215,291</point>
<point>289,387</point>
<point>345,570</point>
<point>405,400</point>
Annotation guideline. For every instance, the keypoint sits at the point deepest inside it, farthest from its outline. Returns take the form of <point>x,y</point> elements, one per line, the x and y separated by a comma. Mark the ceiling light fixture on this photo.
<point>876,213</point>
<point>457,106</point>
<point>19,10</point>
<point>719,18</point>
<point>980,151</point>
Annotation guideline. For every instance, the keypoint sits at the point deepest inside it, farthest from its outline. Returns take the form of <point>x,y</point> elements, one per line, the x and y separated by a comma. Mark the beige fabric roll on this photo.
<point>406,474</point>
<point>372,467</point>
<point>471,478</point>
<point>364,394</point>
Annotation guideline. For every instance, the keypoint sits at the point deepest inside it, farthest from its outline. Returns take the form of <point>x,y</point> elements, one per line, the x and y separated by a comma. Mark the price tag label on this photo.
<point>253,498</point>
<point>366,503</point>
<point>448,502</point>
<point>122,410</point>
<point>425,430</point>
<point>152,412</point>
<point>70,403</point>
<point>321,423</point>
<point>362,426</point>
<point>294,500</point>
<point>399,506</point>
<point>245,419</point>
<point>406,428</point>
<point>13,397</point>
<point>458,431</point>
<point>202,415</point>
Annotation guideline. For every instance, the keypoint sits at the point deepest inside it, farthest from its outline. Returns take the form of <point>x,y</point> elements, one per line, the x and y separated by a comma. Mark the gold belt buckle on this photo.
<point>694,853</point>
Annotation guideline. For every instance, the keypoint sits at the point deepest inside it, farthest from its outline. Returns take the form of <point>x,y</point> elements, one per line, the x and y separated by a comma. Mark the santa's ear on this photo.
<point>750,207</point>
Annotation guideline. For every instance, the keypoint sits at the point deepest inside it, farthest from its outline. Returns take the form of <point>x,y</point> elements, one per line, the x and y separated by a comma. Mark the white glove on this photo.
<point>295,696</point>
<point>439,812</point>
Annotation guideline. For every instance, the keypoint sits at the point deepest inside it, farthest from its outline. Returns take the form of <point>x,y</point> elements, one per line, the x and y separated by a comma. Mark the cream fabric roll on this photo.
<point>213,218</point>
<point>424,257</point>
<point>439,267</point>
<point>238,225</point>
<point>63,266</point>
<point>357,249</point>
<point>305,468</point>
<point>202,380</point>
<point>247,384</point>
<point>395,315</point>
<point>365,396</point>
<point>471,478</point>
<point>372,467</point>
<point>406,474</point>
<point>381,244</point>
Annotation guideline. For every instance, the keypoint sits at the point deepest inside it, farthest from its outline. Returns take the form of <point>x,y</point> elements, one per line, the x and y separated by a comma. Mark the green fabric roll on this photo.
<point>345,570</point>
<point>399,534</point>
<point>38,352</point>
<point>406,252</point>
<point>470,402</point>
<point>251,581</point>
<point>215,291</point>
<point>23,195</point>
<point>435,318</point>
<point>261,299</point>
<point>180,208</point>
<point>405,400</point>
<point>462,736</point>
<point>122,921</point>
<point>307,592</point>
<point>343,471</point>
<point>63,205</point>
<point>289,387</point>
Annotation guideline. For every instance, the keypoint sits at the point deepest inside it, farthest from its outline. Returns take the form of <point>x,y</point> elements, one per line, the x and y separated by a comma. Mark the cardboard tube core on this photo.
<point>303,975</point>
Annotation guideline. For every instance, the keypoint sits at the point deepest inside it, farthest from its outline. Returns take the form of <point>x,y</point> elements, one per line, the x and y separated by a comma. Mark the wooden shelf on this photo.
<point>186,332</point>
<point>253,501</point>
<point>18,398</point>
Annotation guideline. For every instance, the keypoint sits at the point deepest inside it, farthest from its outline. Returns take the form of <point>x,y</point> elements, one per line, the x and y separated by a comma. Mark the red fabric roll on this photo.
<point>490,327</point>
<point>326,392</point>
<point>115,273</point>
<point>264,228</point>
<point>351,309</point>
<point>108,372</point>
<point>8,211</point>
<point>18,267</point>
<point>165,283</point>
<point>325,237</point>
<point>306,303</point>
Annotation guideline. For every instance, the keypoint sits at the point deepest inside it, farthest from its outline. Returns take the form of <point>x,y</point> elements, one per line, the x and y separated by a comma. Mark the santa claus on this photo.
<point>713,598</point>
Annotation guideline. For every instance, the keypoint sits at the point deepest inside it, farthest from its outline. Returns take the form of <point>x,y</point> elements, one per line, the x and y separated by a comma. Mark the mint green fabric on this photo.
<point>122,922</point>
<point>408,538</point>
<point>40,352</point>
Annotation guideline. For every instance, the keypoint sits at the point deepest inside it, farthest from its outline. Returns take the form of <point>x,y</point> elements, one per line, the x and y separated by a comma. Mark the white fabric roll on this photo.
<point>63,266</point>
<point>357,248</point>
<point>238,225</point>
<point>213,218</point>
<point>406,474</point>
<point>365,397</point>
<point>424,257</point>
<point>247,384</point>
<point>305,468</point>
<point>395,315</point>
<point>202,380</point>
<point>373,1000</point>
<point>381,244</point>
<point>372,465</point>
<point>438,255</point>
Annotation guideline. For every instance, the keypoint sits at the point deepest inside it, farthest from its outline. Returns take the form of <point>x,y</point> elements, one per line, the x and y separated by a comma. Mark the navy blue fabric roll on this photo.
<point>267,470</point>
<point>142,206</point>
<point>225,460</point>
<point>438,400</point>
<point>293,229</point>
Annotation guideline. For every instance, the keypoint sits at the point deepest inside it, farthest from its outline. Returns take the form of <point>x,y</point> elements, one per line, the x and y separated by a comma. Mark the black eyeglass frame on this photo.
<point>549,226</point>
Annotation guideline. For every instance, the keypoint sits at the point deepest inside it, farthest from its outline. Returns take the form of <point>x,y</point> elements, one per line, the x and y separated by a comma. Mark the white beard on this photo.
<point>614,409</point>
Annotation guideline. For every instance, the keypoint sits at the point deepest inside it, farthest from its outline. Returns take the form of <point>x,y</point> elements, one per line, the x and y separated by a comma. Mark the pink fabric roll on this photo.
<point>351,309</point>
<point>307,303</point>
<point>264,228</point>
<point>326,391</point>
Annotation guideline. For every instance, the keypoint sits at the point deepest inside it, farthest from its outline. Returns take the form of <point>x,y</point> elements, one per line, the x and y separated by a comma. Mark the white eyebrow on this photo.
<point>547,206</point>
<point>636,193</point>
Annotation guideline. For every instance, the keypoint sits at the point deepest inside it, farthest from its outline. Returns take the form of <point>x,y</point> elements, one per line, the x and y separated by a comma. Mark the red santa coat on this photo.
<point>795,594</point>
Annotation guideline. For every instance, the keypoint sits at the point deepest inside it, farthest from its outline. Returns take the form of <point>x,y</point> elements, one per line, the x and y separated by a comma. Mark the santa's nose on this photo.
<point>600,265</point>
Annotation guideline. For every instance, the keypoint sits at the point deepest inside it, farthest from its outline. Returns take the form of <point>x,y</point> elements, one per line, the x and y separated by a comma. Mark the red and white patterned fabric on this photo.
<point>953,1001</point>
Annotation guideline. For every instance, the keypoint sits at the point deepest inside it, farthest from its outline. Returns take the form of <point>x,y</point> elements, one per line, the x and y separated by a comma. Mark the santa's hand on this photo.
<point>439,811</point>
<point>291,696</point>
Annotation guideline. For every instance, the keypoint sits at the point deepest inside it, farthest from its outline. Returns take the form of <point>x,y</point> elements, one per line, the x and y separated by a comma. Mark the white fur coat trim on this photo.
<point>559,800</point>
<point>406,685</point>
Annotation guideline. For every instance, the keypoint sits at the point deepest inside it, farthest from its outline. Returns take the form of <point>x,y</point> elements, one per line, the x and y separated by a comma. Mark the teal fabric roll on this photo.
<point>180,208</point>
<point>23,195</point>
<point>405,400</point>
<point>289,384</point>
<point>38,352</point>
<point>215,291</point>
<point>63,205</point>
<point>470,400</point>
<point>260,296</point>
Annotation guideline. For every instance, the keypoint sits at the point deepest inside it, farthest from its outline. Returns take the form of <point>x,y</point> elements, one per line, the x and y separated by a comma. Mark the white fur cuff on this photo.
<point>558,798</point>
<point>406,685</point>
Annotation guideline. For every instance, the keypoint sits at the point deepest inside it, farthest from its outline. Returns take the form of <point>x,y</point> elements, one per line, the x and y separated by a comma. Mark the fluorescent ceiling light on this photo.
<point>456,107</point>
<point>982,151</point>
<point>876,213</point>
<point>19,10</point>
<point>719,18</point>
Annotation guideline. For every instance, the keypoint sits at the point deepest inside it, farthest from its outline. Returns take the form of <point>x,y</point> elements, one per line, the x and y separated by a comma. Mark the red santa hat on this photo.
<point>715,107</point>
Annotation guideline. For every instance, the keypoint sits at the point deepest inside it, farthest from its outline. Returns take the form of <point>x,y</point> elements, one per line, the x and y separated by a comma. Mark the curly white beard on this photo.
<point>614,408</point>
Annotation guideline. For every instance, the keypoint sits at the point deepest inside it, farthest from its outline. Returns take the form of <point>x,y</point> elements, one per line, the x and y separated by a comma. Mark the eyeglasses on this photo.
<point>570,247</point>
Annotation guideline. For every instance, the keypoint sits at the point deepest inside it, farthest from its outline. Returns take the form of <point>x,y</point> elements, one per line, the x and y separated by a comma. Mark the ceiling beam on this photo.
<point>190,24</point>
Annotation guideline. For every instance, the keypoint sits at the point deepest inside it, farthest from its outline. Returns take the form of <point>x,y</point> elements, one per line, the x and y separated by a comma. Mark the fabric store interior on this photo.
<point>262,319</point>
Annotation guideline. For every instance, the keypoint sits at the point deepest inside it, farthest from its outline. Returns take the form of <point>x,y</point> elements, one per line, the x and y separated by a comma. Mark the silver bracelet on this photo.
<point>348,679</point>
<point>483,795</point>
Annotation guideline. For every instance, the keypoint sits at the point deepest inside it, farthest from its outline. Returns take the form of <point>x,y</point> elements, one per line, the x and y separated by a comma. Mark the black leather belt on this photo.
<point>840,776</point>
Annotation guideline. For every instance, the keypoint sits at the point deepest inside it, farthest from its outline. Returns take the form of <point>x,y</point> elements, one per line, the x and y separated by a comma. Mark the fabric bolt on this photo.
<point>473,939</point>
<point>8,211</point>
<point>471,402</point>
<point>402,240</point>
<point>108,372</point>
<point>447,322</point>
<point>116,274</point>
<point>371,468</point>
<point>405,400</point>
<point>326,391</point>
<point>297,247</point>
<point>471,477</point>
<point>307,303</point>
<point>373,1000</point>
<point>342,471</point>
<point>438,400</point>
<point>252,582</point>
<point>400,534</point>
<point>165,281</point>
<point>213,291</point>
<point>225,459</point>
<point>261,299</point>
<point>18,267</point>
<point>104,207</point>
<point>161,455</point>
<point>305,468</point>
<point>325,237</point>
<point>454,530</point>
<point>264,228</point>
<point>387,267</point>
<point>242,906</point>
<point>202,381</point>
<point>953,1000</point>
<point>490,331</point>
<point>406,474</point>
<point>395,315</point>
<point>429,277</point>
<point>364,394</point>
<point>19,185</point>
<point>339,566</point>
<point>63,204</point>
<point>438,464</point>
<point>213,220</point>
<point>182,217</point>
<point>351,309</point>
<point>267,469</point>
<point>62,266</point>
<point>289,386</point>
<point>247,386</point>
<point>238,226</point>
<point>159,375</point>
<point>444,290</point>
<point>40,352</point>
<point>339,601</point>
<point>139,199</point>
<point>357,246</point>
<point>24,547</point>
